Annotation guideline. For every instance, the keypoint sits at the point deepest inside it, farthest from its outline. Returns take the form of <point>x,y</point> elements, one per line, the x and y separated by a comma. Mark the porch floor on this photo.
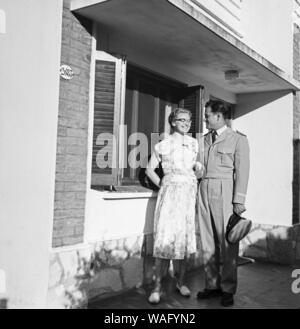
<point>261,286</point>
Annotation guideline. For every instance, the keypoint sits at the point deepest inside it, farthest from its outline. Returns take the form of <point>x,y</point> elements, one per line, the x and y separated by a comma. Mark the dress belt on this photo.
<point>179,177</point>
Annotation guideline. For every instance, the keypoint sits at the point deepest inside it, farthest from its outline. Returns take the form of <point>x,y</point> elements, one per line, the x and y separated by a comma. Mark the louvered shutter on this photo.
<point>107,112</point>
<point>191,98</point>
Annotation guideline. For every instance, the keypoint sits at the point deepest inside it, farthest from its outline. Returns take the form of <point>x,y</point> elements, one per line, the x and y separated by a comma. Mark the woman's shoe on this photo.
<point>154,298</point>
<point>183,290</point>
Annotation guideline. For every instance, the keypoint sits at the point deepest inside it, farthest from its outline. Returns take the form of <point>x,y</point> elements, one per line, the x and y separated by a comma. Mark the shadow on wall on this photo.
<point>247,103</point>
<point>273,244</point>
<point>98,270</point>
<point>108,268</point>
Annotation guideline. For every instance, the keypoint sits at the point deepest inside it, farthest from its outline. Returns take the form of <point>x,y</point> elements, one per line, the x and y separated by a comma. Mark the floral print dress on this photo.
<point>174,219</point>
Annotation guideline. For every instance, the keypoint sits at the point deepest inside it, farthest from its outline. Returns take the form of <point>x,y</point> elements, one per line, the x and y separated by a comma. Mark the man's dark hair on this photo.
<point>219,107</point>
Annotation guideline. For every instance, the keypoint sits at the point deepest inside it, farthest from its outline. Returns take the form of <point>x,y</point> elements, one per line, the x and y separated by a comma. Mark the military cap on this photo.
<point>237,228</point>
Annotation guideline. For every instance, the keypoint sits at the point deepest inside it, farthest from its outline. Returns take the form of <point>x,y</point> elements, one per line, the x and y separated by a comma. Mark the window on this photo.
<point>143,106</point>
<point>148,98</point>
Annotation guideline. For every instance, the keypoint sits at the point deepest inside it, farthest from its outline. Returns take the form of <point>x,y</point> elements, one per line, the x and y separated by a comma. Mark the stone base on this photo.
<point>275,244</point>
<point>100,270</point>
<point>79,274</point>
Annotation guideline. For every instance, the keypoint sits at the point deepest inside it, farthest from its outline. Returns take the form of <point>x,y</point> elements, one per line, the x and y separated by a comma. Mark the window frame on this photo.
<point>166,85</point>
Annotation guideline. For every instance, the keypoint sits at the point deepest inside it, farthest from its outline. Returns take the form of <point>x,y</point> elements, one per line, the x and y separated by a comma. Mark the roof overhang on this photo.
<point>175,30</point>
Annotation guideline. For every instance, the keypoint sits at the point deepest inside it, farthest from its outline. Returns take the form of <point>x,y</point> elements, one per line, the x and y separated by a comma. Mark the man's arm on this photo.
<point>242,167</point>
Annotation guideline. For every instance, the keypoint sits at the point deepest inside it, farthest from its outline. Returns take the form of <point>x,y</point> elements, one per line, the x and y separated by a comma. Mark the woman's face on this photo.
<point>182,123</point>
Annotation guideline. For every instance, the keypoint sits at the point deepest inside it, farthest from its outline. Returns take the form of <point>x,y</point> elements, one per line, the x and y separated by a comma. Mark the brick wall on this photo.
<point>72,139</point>
<point>296,126</point>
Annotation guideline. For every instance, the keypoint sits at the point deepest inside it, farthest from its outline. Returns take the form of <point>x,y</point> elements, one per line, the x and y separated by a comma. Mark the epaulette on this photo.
<point>241,133</point>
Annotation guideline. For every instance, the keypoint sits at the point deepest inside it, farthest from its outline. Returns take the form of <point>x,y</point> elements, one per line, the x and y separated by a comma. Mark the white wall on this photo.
<point>2,21</point>
<point>124,216</point>
<point>267,120</point>
<point>267,28</point>
<point>29,87</point>
<point>227,13</point>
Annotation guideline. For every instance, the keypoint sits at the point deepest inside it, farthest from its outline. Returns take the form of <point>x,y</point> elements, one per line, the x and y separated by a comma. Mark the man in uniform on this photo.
<point>222,191</point>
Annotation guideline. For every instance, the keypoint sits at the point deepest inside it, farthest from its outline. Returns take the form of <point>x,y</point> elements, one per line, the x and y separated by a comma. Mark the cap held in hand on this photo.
<point>237,228</point>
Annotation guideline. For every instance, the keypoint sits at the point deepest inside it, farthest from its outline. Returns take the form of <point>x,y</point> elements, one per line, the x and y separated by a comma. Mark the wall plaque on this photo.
<point>66,72</point>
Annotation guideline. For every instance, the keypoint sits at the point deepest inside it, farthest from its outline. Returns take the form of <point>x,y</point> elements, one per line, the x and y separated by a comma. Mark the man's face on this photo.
<point>212,120</point>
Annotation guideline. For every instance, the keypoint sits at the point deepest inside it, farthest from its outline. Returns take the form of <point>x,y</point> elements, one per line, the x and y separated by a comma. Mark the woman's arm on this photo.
<point>198,167</point>
<point>150,170</point>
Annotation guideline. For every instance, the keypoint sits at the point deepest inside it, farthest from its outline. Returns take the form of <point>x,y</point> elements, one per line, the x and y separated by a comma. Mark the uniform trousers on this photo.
<point>220,258</point>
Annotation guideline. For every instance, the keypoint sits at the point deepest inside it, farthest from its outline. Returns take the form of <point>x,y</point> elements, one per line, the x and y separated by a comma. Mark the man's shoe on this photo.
<point>209,293</point>
<point>227,299</point>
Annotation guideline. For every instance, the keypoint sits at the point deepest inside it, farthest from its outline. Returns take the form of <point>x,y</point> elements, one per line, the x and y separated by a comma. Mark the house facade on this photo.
<point>77,85</point>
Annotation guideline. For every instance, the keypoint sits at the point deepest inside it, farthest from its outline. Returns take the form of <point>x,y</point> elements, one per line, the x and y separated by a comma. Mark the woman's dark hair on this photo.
<point>219,107</point>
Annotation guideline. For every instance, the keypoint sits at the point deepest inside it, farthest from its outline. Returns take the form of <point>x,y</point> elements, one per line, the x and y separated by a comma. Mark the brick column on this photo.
<point>72,139</point>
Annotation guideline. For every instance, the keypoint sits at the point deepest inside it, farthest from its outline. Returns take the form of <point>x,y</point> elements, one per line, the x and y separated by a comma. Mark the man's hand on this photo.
<point>199,169</point>
<point>238,208</point>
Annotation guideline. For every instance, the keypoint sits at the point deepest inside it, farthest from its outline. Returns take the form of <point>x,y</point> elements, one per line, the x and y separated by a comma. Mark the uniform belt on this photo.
<point>219,176</point>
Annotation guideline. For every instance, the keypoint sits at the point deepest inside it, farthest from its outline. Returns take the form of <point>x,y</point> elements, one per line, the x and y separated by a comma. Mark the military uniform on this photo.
<point>225,180</point>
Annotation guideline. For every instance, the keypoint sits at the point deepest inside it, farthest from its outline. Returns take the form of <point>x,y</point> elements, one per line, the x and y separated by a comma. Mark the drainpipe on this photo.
<point>3,297</point>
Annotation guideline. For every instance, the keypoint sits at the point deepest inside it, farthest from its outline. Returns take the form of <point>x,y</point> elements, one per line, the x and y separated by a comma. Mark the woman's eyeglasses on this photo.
<point>183,120</point>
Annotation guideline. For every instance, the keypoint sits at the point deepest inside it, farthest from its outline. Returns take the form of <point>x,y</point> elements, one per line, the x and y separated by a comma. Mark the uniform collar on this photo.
<point>221,130</point>
<point>224,132</point>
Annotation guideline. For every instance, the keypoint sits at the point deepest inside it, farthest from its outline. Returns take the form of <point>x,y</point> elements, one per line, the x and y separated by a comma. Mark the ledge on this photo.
<point>242,47</point>
<point>213,46</point>
<point>128,195</point>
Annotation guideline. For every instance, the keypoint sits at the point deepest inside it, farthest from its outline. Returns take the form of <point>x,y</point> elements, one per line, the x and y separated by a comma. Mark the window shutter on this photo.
<point>191,99</point>
<point>109,73</point>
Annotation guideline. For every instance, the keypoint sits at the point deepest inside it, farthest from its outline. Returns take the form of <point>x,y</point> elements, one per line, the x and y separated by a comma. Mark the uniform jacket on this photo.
<point>228,158</point>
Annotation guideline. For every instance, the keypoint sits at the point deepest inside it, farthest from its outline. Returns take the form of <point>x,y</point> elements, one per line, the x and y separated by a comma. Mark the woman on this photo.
<point>174,219</point>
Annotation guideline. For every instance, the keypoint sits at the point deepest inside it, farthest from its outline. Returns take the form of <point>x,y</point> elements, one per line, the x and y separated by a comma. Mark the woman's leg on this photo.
<point>182,269</point>
<point>181,286</point>
<point>160,269</point>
